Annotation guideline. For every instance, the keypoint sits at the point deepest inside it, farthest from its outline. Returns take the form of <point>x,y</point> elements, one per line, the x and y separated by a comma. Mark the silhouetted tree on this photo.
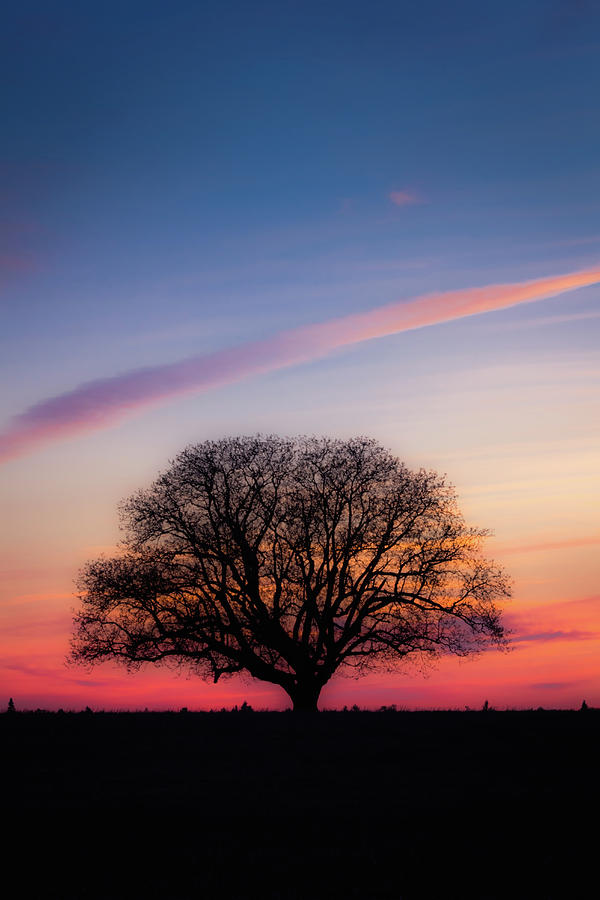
<point>11,706</point>
<point>290,560</point>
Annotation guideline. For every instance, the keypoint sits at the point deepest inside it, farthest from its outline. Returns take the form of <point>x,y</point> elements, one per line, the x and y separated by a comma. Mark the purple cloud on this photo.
<point>96,404</point>
<point>558,635</point>
<point>404,198</point>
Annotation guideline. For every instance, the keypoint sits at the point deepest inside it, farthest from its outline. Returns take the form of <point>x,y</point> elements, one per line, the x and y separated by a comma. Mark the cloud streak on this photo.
<point>96,404</point>
<point>544,546</point>
<point>554,620</point>
<point>404,198</point>
<point>573,634</point>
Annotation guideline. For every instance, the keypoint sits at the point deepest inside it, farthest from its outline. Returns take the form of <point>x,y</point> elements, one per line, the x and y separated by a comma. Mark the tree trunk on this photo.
<point>305,697</point>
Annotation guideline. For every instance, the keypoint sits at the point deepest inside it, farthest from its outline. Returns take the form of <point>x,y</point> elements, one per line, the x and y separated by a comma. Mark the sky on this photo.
<point>302,218</point>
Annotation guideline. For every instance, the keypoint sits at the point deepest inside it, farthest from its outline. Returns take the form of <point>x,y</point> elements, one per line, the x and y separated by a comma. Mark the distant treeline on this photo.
<point>246,708</point>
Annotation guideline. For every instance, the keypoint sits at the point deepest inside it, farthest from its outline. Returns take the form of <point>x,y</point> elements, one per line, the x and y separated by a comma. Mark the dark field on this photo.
<point>272,805</point>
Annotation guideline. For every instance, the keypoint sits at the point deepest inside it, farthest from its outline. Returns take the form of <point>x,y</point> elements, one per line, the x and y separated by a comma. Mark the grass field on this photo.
<point>275,805</point>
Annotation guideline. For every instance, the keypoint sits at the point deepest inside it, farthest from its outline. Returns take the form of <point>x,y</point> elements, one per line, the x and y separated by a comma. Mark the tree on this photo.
<point>290,560</point>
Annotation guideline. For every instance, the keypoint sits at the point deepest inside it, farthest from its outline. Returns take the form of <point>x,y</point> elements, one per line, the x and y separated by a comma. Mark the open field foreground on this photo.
<point>275,805</point>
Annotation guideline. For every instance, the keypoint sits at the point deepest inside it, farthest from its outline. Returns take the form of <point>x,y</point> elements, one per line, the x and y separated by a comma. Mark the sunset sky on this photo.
<point>305,217</point>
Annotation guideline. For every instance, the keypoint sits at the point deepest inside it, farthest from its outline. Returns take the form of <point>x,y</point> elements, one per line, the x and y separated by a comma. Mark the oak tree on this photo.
<point>289,560</point>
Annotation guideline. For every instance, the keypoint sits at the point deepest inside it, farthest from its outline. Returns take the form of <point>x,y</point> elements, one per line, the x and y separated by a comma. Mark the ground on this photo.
<point>274,805</point>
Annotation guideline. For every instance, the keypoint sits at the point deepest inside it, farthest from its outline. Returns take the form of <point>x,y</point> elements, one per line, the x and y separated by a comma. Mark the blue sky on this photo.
<point>164,164</point>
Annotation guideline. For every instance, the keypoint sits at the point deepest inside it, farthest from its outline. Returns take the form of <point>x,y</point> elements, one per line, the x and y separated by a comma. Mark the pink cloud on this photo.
<point>96,404</point>
<point>404,198</point>
<point>543,546</point>
<point>16,264</point>
<point>563,620</point>
<point>572,634</point>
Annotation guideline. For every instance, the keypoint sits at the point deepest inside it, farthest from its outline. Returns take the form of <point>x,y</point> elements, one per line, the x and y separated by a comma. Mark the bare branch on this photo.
<point>290,559</point>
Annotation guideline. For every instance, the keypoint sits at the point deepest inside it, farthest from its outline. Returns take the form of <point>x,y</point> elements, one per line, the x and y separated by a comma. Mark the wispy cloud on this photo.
<point>404,198</point>
<point>12,265</point>
<point>572,634</point>
<point>39,597</point>
<point>553,621</point>
<point>51,676</point>
<point>50,625</point>
<point>577,242</point>
<point>98,403</point>
<point>544,546</point>
<point>561,319</point>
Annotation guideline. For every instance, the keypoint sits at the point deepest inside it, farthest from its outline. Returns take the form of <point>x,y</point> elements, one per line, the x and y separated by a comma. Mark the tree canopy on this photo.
<point>290,559</point>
